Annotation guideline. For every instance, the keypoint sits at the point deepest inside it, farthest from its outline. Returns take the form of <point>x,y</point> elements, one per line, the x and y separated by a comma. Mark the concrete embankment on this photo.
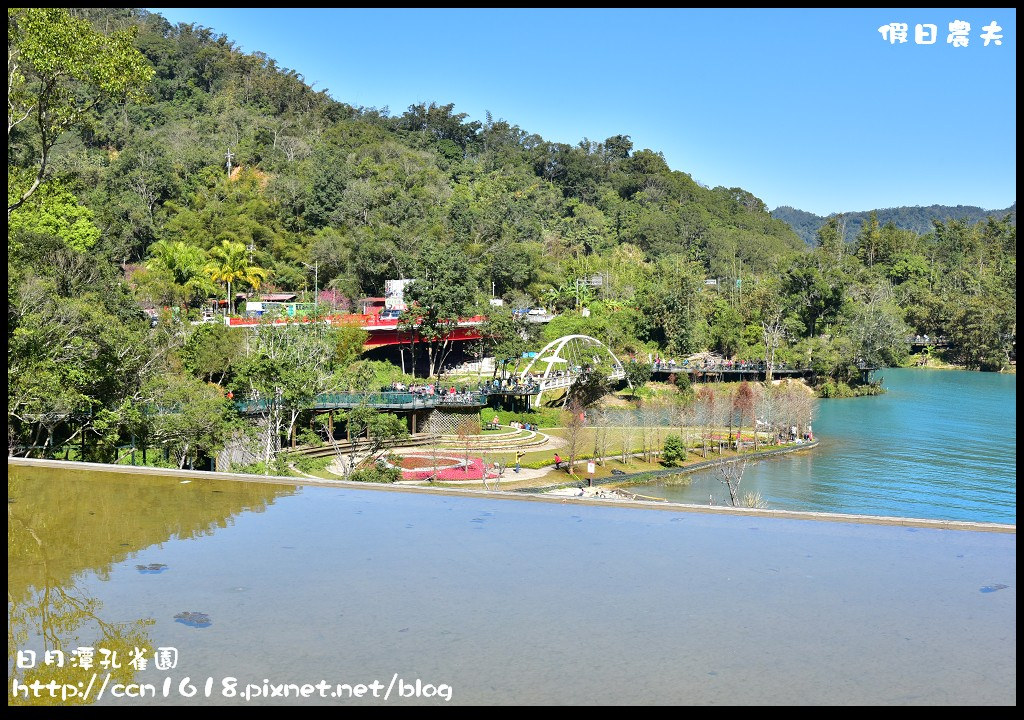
<point>532,495</point>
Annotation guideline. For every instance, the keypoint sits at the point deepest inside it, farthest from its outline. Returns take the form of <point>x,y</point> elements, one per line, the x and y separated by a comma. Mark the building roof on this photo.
<point>277,297</point>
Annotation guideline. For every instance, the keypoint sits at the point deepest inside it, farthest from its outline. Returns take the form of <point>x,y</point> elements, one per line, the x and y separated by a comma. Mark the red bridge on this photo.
<point>382,331</point>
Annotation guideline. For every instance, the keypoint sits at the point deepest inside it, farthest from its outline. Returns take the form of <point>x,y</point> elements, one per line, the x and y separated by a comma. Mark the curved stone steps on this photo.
<point>491,442</point>
<point>519,436</point>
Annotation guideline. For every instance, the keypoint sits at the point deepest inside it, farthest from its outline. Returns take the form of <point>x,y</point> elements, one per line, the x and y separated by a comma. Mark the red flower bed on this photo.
<point>475,471</point>
<point>416,463</point>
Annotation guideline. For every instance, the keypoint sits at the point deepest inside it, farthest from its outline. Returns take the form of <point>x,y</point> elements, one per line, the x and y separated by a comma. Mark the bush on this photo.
<point>312,464</point>
<point>378,474</point>
<point>673,452</point>
<point>682,382</point>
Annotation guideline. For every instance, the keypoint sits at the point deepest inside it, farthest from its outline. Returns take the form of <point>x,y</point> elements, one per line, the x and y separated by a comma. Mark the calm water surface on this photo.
<point>940,444</point>
<point>506,601</point>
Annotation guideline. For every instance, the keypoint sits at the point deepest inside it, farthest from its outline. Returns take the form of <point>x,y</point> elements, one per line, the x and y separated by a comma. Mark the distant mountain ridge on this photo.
<point>916,218</point>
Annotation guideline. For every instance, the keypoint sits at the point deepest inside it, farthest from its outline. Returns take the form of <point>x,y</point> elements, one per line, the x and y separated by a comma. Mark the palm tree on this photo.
<point>185,264</point>
<point>229,264</point>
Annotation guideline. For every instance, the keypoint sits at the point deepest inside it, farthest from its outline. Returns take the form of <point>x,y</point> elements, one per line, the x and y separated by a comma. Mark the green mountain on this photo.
<point>917,219</point>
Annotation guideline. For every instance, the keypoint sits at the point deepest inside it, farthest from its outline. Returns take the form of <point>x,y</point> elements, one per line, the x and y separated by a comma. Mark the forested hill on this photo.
<point>917,219</point>
<point>322,179</point>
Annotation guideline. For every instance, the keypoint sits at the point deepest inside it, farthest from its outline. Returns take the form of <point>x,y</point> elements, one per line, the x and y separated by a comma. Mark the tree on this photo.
<point>185,264</point>
<point>506,336</point>
<point>817,292</point>
<point>981,332</point>
<point>869,240</point>
<point>730,474</point>
<point>673,451</point>
<point>672,307</point>
<point>187,417</point>
<point>683,384</point>
<point>466,430</point>
<point>379,429</point>
<point>726,328</point>
<point>229,263</point>
<point>637,375</point>
<point>832,237</point>
<point>440,294</point>
<point>574,432</point>
<point>77,345</point>
<point>878,333</point>
<point>743,404</point>
<point>54,212</point>
<point>285,368</point>
<point>599,421</point>
<point>58,70</point>
<point>590,385</point>
<point>707,415</point>
<point>627,421</point>
<point>212,351</point>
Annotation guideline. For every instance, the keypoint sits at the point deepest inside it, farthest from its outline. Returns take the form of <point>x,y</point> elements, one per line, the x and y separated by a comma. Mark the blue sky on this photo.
<point>809,108</point>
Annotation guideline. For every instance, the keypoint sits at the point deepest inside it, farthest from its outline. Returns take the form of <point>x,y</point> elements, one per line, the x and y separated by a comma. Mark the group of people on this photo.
<point>496,423</point>
<point>720,364</point>
<point>451,394</point>
<point>524,386</point>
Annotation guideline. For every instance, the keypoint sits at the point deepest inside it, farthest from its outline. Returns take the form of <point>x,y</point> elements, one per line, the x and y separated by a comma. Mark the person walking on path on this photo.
<point>519,457</point>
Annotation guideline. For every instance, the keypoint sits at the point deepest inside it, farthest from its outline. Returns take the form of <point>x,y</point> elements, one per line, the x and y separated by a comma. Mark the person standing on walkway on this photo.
<point>519,458</point>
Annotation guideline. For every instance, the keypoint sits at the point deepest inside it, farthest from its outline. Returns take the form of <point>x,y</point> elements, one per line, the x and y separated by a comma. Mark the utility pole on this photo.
<point>229,155</point>
<point>316,285</point>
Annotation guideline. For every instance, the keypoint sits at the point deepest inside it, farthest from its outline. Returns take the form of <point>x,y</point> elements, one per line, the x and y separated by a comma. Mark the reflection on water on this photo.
<point>520,602</point>
<point>68,528</point>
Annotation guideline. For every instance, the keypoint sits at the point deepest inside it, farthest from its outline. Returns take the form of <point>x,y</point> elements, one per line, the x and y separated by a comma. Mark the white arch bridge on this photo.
<point>564,360</point>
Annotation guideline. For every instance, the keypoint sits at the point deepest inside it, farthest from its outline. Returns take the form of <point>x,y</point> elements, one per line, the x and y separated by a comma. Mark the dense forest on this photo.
<point>153,165</point>
<point>919,219</point>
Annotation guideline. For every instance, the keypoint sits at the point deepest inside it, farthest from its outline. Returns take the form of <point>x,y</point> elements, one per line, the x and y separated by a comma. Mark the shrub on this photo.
<point>673,452</point>
<point>378,474</point>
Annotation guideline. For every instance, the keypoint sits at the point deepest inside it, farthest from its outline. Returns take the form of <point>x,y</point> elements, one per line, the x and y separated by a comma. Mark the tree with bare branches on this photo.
<point>743,403</point>
<point>574,427</point>
<point>730,474</point>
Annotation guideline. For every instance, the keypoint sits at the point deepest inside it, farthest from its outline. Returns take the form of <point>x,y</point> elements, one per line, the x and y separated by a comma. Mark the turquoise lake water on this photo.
<point>940,444</point>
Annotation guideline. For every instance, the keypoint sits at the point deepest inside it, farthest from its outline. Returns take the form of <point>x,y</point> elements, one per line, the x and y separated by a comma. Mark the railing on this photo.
<point>367,321</point>
<point>395,400</point>
<point>566,379</point>
<point>749,367</point>
<point>743,367</point>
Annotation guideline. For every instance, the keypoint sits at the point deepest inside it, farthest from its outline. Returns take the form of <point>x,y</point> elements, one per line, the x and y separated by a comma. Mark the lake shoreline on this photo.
<point>515,495</point>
